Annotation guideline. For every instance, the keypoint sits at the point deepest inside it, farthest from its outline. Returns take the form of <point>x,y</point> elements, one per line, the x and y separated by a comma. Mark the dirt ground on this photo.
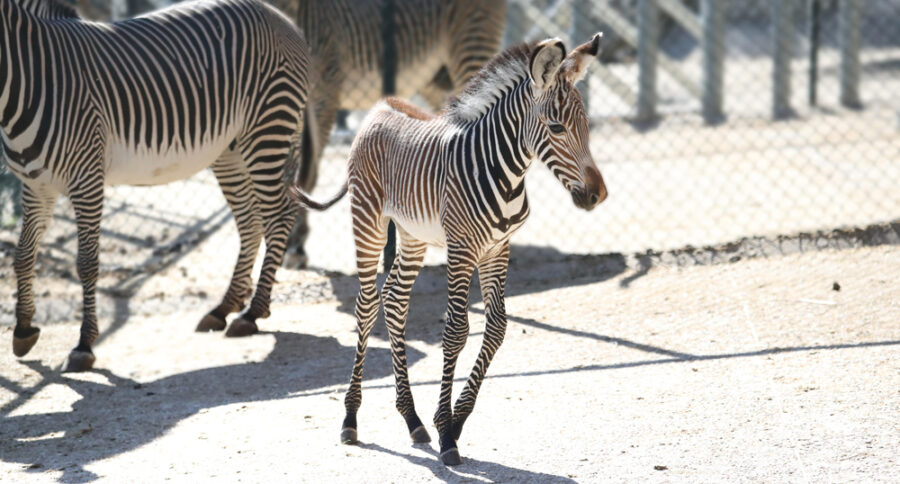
<point>756,370</point>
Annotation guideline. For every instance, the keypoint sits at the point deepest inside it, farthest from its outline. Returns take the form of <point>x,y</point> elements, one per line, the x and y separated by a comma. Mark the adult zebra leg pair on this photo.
<point>252,199</point>
<point>86,196</point>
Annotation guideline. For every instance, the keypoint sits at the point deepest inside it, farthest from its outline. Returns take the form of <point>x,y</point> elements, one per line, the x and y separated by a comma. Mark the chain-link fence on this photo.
<point>711,121</point>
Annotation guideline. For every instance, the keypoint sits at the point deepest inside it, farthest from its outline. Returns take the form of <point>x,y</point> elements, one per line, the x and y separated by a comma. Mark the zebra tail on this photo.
<point>302,199</point>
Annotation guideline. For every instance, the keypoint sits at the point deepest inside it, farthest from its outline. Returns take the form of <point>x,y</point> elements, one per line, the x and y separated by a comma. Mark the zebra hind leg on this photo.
<point>234,179</point>
<point>397,289</point>
<point>370,240</point>
<point>37,211</point>
<point>492,274</point>
<point>87,200</point>
<point>265,159</point>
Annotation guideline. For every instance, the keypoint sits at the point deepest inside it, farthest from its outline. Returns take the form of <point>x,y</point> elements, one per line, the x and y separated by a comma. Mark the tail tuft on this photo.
<point>302,199</point>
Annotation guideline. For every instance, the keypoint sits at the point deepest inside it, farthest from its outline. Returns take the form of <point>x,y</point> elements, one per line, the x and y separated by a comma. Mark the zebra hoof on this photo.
<point>241,327</point>
<point>24,340</point>
<point>80,361</point>
<point>450,457</point>
<point>210,322</point>
<point>348,436</point>
<point>420,435</point>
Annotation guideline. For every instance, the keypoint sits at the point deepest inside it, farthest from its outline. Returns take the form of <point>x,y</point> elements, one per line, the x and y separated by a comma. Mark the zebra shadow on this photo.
<point>532,269</point>
<point>122,415</point>
<point>471,470</point>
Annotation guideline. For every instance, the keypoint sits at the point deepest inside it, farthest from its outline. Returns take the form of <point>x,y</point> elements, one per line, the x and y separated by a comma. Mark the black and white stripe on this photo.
<point>147,101</point>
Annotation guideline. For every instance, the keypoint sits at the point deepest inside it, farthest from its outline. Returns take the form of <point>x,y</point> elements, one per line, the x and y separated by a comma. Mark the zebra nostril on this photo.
<point>595,199</point>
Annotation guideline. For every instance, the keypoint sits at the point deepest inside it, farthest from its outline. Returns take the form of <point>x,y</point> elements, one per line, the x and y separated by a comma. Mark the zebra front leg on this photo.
<point>396,307</point>
<point>460,266</point>
<point>370,241</point>
<point>87,200</point>
<point>234,180</point>
<point>37,209</point>
<point>265,161</point>
<point>492,274</point>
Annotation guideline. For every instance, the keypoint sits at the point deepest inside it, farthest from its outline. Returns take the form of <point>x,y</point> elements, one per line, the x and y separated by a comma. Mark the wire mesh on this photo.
<point>702,125</point>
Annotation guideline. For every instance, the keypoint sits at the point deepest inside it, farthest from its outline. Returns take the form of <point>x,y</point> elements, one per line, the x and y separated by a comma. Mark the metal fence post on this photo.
<point>850,13</point>
<point>813,33</point>
<point>648,51</point>
<point>712,14</point>
<point>388,88</point>
<point>783,35</point>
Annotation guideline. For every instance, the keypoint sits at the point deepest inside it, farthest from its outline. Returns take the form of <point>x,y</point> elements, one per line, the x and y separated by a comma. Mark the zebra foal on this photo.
<point>457,180</point>
<point>148,101</point>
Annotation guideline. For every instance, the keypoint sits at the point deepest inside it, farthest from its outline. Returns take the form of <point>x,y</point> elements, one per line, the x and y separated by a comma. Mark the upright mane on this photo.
<point>48,9</point>
<point>504,71</point>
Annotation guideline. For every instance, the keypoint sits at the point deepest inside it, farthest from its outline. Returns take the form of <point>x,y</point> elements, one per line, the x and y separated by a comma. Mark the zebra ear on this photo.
<point>545,62</point>
<point>575,66</point>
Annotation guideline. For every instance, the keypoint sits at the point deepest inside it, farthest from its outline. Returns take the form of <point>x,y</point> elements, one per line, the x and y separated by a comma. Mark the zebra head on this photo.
<point>560,133</point>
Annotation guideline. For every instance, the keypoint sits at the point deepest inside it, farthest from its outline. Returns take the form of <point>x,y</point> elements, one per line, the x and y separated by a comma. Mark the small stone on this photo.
<point>835,286</point>
<point>660,468</point>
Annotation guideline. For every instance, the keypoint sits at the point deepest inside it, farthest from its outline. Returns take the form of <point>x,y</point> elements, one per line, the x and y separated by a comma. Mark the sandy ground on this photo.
<point>750,371</point>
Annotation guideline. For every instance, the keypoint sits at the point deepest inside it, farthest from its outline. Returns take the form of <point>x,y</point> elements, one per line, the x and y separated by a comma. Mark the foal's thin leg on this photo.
<point>460,266</point>
<point>492,274</point>
<point>37,210</point>
<point>86,196</point>
<point>234,179</point>
<point>265,161</point>
<point>396,306</point>
<point>370,239</point>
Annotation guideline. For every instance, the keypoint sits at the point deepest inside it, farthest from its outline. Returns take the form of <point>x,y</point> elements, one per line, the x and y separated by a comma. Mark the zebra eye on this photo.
<point>557,128</point>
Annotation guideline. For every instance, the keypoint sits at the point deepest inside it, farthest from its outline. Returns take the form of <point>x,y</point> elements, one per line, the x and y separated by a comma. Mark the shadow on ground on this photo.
<point>142,412</point>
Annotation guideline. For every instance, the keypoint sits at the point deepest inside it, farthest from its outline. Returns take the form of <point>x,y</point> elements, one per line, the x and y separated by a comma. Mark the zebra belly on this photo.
<point>126,165</point>
<point>429,231</point>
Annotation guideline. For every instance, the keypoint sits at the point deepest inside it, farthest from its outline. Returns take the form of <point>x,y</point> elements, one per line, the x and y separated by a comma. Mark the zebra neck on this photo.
<point>496,141</point>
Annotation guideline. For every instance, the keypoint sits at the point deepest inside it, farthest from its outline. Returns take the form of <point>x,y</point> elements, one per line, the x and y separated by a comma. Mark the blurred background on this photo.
<point>713,122</point>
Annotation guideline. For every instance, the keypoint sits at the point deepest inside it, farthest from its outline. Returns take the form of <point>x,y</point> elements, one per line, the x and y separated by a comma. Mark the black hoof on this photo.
<point>80,361</point>
<point>210,322</point>
<point>24,340</point>
<point>348,436</point>
<point>241,327</point>
<point>420,435</point>
<point>450,457</point>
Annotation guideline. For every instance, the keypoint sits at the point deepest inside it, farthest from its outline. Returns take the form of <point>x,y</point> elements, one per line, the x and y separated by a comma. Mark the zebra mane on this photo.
<point>504,71</point>
<point>49,9</point>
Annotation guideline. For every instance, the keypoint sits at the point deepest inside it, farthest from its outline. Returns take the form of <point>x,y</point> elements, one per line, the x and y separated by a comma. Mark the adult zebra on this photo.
<point>147,101</point>
<point>457,180</point>
<point>439,45</point>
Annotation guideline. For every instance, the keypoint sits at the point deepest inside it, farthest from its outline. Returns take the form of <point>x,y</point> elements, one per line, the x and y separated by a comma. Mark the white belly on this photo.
<point>429,231</point>
<point>126,165</point>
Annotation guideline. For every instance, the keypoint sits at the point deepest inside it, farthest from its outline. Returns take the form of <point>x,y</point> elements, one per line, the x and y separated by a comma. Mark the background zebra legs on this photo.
<point>396,292</point>
<point>370,239</point>
<point>86,195</point>
<point>460,266</point>
<point>37,210</point>
<point>492,274</point>
<point>234,179</point>
<point>265,158</point>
